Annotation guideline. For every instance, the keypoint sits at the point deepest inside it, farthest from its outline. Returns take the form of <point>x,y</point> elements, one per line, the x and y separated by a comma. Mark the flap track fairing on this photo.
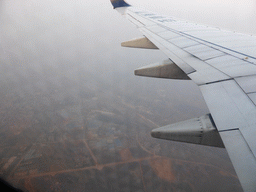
<point>166,69</point>
<point>200,130</point>
<point>143,43</point>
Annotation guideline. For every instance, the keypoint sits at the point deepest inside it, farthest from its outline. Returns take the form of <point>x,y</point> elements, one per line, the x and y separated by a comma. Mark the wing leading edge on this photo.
<point>223,65</point>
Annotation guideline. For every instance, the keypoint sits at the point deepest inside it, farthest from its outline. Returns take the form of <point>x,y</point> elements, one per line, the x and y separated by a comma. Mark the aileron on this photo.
<point>252,96</point>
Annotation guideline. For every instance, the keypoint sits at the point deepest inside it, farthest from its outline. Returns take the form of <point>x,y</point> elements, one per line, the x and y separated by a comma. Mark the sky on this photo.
<point>85,35</point>
<point>93,28</point>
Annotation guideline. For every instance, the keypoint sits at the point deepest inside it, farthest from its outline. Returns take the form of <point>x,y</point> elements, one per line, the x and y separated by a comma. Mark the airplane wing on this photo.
<point>223,65</point>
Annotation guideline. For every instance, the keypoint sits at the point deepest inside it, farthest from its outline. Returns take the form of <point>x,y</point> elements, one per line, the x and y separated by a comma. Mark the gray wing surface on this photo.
<point>223,65</point>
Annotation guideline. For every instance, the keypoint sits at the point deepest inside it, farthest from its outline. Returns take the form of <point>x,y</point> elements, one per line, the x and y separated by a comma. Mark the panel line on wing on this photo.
<point>180,33</point>
<point>203,72</point>
<point>228,130</point>
<point>135,20</point>
<point>208,53</point>
<point>238,54</point>
<point>225,48</point>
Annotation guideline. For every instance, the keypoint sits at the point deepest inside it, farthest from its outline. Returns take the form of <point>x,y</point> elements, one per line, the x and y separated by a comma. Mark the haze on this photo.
<point>75,118</point>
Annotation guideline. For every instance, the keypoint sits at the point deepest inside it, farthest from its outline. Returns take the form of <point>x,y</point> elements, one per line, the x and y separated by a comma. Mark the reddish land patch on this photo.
<point>126,154</point>
<point>163,168</point>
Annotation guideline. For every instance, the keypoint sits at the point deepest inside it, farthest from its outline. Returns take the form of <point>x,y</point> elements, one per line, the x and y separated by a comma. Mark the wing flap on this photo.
<point>241,157</point>
<point>253,97</point>
<point>230,106</point>
<point>247,83</point>
<point>234,114</point>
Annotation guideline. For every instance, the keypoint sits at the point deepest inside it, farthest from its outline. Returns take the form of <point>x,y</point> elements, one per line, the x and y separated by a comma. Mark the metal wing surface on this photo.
<point>223,65</point>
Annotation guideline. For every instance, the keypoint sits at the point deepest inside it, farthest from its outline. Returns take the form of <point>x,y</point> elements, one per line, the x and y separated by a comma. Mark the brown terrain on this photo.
<point>86,142</point>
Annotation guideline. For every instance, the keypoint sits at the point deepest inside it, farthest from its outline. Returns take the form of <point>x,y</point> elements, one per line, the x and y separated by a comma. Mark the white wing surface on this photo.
<point>223,65</point>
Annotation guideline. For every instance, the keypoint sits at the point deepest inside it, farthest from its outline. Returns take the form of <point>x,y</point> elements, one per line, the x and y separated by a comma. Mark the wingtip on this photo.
<point>119,3</point>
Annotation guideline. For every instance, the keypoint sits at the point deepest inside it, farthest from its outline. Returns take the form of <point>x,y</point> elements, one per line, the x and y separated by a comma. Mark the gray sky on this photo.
<point>86,35</point>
